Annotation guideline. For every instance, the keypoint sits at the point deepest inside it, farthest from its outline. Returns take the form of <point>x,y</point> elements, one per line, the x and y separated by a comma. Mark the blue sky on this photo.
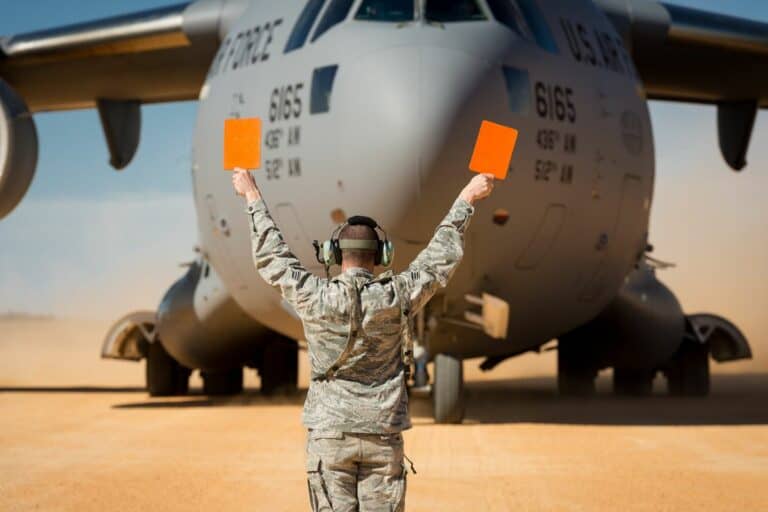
<point>121,235</point>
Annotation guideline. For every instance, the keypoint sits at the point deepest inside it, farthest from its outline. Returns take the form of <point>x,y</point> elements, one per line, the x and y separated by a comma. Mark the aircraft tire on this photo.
<point>688,370</point>
<point>227,382</point>
<point>448,389</point>
<point>633,382</point>
<point>164,375</point>
<point>279,370</point>
<point>575,375</point>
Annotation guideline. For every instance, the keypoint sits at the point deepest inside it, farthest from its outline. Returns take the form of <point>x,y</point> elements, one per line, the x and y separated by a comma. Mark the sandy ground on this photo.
<point>79,433</point>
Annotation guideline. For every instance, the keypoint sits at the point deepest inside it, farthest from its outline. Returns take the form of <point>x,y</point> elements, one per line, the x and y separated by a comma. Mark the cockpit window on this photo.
<point>385,10</point>
<point>336,12</point>
<point>301,30</point>
<point>537,24</point>
<point>453,10</point>
<point>508,13</point>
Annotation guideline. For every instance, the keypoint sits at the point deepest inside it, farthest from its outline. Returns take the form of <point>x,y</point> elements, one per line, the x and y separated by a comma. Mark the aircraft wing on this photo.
<point>149,56</point>
<point>115,65</point>
<point>685,54</point>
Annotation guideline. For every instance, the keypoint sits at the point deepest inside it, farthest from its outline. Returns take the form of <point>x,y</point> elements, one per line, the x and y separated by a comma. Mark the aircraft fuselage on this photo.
<point>392,139</point>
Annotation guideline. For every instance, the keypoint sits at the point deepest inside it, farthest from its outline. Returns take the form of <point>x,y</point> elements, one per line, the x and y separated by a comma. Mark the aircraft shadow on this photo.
<point>734,400</point>
<point>71,389</point>
<point>249,397</point>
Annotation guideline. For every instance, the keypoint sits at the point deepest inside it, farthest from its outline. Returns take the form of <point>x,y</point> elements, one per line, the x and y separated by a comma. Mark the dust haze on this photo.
<point>80,433</point>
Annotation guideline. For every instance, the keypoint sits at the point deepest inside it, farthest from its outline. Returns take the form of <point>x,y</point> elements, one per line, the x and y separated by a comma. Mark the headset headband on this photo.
<point>329,253</point>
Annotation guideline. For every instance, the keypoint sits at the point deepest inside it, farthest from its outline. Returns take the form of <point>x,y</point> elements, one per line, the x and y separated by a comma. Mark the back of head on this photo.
<point>358,257</point>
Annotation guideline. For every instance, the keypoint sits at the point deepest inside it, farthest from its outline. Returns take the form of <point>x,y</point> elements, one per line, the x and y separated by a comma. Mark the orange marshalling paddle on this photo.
<point>242,142</point>
<point>493,149</point>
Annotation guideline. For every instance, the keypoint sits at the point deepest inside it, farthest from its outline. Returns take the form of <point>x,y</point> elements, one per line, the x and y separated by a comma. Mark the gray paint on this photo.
<point>406,104</point>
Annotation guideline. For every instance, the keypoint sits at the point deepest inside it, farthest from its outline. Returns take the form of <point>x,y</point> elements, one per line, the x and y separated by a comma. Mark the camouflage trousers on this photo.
<point>349,472</point>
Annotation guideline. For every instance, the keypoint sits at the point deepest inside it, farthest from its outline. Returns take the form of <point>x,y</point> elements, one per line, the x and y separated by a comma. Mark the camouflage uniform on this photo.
<point>354,324</point>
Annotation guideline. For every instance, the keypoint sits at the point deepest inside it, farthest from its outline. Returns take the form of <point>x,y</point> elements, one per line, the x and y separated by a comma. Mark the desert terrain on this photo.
<point>79,434</point>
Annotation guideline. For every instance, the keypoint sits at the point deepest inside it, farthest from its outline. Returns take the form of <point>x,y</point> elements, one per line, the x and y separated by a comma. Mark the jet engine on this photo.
<point>18,148</point>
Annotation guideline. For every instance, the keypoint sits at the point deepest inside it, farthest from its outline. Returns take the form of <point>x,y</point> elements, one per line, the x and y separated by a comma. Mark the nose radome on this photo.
<point>409,122</point>
<point>458,91</point>
<point>380,131</point>
<point>402,110</point>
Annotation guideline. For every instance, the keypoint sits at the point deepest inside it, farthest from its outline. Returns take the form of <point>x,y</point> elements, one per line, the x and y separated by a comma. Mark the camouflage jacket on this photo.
<point>360,315</point>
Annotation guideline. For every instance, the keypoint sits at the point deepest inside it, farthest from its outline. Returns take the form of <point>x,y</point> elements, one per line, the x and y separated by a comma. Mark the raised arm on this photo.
<point>436,263</point>
<point>271,255</point>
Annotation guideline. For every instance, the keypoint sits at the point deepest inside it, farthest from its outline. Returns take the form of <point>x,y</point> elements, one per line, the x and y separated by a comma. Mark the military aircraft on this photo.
<point>372,107</point>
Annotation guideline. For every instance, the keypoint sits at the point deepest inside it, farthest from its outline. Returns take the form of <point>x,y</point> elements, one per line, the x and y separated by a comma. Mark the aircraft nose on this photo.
<point>409,118</point>
<point>380,134</point>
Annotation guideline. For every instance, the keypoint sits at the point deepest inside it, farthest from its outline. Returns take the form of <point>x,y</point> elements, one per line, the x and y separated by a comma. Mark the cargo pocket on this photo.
<point>318,493</point>
<point>401,485</point>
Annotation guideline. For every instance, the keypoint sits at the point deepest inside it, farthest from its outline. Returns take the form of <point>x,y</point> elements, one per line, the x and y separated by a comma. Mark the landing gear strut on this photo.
<point>448,389</point>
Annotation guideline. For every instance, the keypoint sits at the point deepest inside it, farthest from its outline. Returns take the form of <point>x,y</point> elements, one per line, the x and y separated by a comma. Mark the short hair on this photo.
<point>358,232</point>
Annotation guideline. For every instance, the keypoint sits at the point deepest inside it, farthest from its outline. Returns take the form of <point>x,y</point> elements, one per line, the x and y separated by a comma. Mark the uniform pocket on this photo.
<point>318,493</point>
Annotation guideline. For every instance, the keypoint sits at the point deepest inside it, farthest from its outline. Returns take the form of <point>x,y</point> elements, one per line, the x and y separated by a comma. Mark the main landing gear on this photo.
<point>164,375</point>
<point>575,371</point>
<point>278,366</point>
<point>686,372</point>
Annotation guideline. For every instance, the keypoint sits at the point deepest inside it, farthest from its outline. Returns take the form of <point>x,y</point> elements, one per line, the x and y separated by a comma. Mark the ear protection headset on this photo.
<point>329,252</point>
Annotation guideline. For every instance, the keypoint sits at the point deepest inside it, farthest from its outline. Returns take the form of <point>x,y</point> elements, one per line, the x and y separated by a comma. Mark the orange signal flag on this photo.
<point>242,143</point>
<point>493,149</point>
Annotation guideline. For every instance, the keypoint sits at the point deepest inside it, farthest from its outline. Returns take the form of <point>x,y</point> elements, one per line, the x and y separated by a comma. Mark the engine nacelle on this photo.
<point>18,148</point>
<point>225,337</point>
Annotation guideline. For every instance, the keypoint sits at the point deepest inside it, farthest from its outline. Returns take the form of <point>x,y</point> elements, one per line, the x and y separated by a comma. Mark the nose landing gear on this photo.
<point>448,389</point>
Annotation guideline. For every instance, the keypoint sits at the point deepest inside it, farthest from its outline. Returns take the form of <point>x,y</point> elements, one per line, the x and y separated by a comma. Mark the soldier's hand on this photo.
<point>479,187</point>
<point>245,185</point>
